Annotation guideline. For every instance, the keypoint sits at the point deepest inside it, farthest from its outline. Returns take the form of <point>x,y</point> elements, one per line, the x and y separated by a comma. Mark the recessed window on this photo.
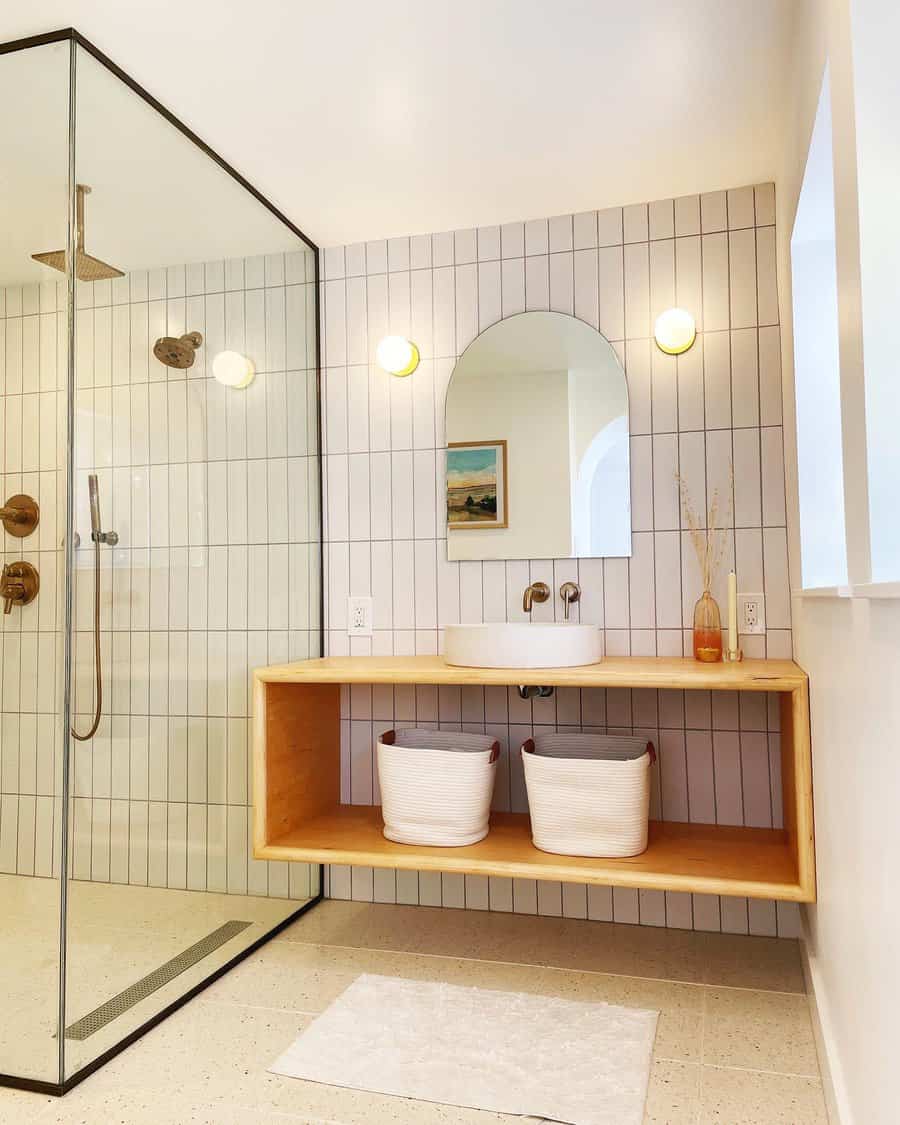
<point>823,550</point>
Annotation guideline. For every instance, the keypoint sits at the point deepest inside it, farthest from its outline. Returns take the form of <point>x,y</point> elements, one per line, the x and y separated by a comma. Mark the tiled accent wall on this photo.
<point>716,407</point>
<point>214,495</point>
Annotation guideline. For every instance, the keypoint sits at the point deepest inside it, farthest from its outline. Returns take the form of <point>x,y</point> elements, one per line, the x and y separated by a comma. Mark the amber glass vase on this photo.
<point>707,629</point>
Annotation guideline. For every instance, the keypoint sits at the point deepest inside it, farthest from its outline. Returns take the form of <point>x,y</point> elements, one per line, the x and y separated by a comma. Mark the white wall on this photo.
<point>385,536</point>
<point>875,27</point>
<point>849,648</point>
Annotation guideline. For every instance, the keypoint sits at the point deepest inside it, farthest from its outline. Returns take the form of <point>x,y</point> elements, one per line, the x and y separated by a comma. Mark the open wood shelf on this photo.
<point>298,815</point>
<point>613,671</point>
<point>705,858</point>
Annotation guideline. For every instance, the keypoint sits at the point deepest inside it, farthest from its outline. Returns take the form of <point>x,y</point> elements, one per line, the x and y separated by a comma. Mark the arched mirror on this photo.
<point>537,437</point>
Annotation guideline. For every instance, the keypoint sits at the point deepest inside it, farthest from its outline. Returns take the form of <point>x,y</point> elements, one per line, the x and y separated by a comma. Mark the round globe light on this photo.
<point>233,369</point>
<point>674,331</point>
<point>397,355</point>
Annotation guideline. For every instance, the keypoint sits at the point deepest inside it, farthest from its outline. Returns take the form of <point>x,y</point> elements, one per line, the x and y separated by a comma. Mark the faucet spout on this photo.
<point>536,592</point>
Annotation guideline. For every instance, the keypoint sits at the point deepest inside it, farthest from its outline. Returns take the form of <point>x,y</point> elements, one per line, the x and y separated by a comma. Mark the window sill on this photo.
<point>876,591</point>
<point>871,591</point>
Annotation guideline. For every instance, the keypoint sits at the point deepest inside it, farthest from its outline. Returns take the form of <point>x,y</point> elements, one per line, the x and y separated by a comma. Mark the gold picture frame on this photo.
<point>477,485</point>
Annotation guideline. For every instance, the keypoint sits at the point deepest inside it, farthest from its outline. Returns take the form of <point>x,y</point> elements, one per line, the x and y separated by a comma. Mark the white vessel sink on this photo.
<point>522,645</point>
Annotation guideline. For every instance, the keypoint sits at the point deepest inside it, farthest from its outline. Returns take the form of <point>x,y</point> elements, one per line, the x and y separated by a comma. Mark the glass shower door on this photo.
<point>196,502</point>
<point>33,366</point>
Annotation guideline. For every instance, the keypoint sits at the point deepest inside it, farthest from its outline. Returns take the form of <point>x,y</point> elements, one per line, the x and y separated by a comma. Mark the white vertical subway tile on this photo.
<point>741,209</point>
<point>714,257</point>
<point>687,215</point>
<point>767,286</point>
<point>635,223</point>
<point>742,277</point>
<point>637,291</point>
<point>537,237</point>
<point>713,211</point>
<point>512,240</point>
<point>764,198</point>
<point>770,376</point>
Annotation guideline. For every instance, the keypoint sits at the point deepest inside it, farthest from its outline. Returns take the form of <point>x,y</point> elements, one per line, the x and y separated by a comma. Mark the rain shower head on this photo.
<point>87,268</point>
<point>177,351</point>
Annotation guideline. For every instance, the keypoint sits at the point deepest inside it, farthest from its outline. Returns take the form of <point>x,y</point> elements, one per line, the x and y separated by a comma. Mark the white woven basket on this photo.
<point>436,786</point>
<point>588,794</point>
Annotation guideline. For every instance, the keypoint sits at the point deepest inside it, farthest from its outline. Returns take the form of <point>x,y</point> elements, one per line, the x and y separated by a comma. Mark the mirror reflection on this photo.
<point>537,444</point>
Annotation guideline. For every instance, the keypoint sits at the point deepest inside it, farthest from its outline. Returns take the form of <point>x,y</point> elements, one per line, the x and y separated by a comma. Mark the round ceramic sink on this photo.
<point>522,644</point>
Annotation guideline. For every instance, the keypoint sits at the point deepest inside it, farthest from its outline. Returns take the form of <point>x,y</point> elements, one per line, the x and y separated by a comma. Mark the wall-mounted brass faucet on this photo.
<point>536,592</point>
<point>20,515</point>
<point>19,585</point>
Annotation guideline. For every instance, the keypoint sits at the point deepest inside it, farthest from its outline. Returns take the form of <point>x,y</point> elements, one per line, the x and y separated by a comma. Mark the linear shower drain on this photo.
<point>140,990</point>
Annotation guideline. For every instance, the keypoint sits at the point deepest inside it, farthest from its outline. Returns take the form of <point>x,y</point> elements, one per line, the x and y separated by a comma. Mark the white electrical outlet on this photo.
<point>359,617</point>
<point>751,613</point>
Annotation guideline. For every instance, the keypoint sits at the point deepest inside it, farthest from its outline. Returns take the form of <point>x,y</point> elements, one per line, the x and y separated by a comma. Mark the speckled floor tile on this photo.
<point>741,961</point>
<point>206,1065</point>
<point>21,1107</point>
<point>206,1052</point>
<point>315,1102</point>
<point>759,1031</point>
<point>560,942</point>
<point>744,1097</point>
<point>309,977</point>
<point>161,1109</point>
<point>674,1094</point>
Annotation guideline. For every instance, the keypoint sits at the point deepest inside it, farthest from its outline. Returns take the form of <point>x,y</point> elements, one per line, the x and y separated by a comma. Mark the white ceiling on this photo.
<point>364,119</point>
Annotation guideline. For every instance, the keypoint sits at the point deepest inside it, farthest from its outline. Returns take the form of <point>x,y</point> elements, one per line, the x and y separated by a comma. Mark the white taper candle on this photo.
<point>732,612</point>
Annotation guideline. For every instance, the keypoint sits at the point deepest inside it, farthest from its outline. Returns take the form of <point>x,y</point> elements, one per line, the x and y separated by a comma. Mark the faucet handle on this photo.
<point>19,585</point>
<point>5,591</point>
<point>569,592</point>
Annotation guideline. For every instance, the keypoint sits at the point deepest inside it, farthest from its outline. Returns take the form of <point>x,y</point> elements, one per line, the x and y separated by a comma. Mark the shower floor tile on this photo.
<point>117,935</point>
<point>206,1065</point>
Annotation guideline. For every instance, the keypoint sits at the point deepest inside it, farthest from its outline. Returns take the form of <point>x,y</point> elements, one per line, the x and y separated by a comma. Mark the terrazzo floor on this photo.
<point>117,935</point>
<point>734,1043</point>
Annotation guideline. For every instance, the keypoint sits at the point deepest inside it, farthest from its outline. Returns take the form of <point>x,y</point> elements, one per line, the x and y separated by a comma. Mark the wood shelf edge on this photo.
<point>620,671</point>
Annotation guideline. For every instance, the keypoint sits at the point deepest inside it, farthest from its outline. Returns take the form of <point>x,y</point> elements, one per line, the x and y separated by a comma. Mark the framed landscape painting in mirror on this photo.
<point>476,485</point>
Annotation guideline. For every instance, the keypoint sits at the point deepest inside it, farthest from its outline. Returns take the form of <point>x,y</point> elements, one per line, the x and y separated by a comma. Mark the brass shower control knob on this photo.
<point>20,515</point>
<point>19,584</point>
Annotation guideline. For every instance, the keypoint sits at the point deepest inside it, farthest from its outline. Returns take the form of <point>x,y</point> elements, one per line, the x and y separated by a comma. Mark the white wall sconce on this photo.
<point>232,369</point>
<point>397,355</point>
<point>674,331</point>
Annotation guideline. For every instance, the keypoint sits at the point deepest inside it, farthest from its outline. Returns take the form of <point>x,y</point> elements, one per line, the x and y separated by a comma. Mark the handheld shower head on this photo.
<point>94,500</point>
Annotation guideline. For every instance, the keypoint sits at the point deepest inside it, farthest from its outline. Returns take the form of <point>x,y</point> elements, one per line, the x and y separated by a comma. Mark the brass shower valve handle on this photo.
<point>20,515</point>
<point>19,584</point>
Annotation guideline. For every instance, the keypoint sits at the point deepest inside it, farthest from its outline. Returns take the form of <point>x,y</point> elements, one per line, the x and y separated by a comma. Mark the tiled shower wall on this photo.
<point>214,495</point>
<point>32,426</point>
<point>715,407</point>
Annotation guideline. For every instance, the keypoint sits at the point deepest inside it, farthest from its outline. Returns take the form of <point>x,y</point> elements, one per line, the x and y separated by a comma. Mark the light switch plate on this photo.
<point>751,614</point>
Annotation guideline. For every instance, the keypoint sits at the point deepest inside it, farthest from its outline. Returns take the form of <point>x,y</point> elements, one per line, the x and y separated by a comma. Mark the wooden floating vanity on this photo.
<point>298,813</point>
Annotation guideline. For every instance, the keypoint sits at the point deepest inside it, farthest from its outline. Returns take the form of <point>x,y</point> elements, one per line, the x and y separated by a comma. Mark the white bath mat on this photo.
<point>587,1064</point>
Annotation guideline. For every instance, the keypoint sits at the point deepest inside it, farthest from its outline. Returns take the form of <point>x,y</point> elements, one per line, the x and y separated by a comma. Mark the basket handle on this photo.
<point>495,752</point>
<point>388,738</point>
<point>528,746</point>
<point>651,750</point>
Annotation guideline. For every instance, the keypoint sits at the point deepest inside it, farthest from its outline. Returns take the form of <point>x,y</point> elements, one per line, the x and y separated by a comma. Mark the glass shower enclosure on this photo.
<point>160,506</point>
